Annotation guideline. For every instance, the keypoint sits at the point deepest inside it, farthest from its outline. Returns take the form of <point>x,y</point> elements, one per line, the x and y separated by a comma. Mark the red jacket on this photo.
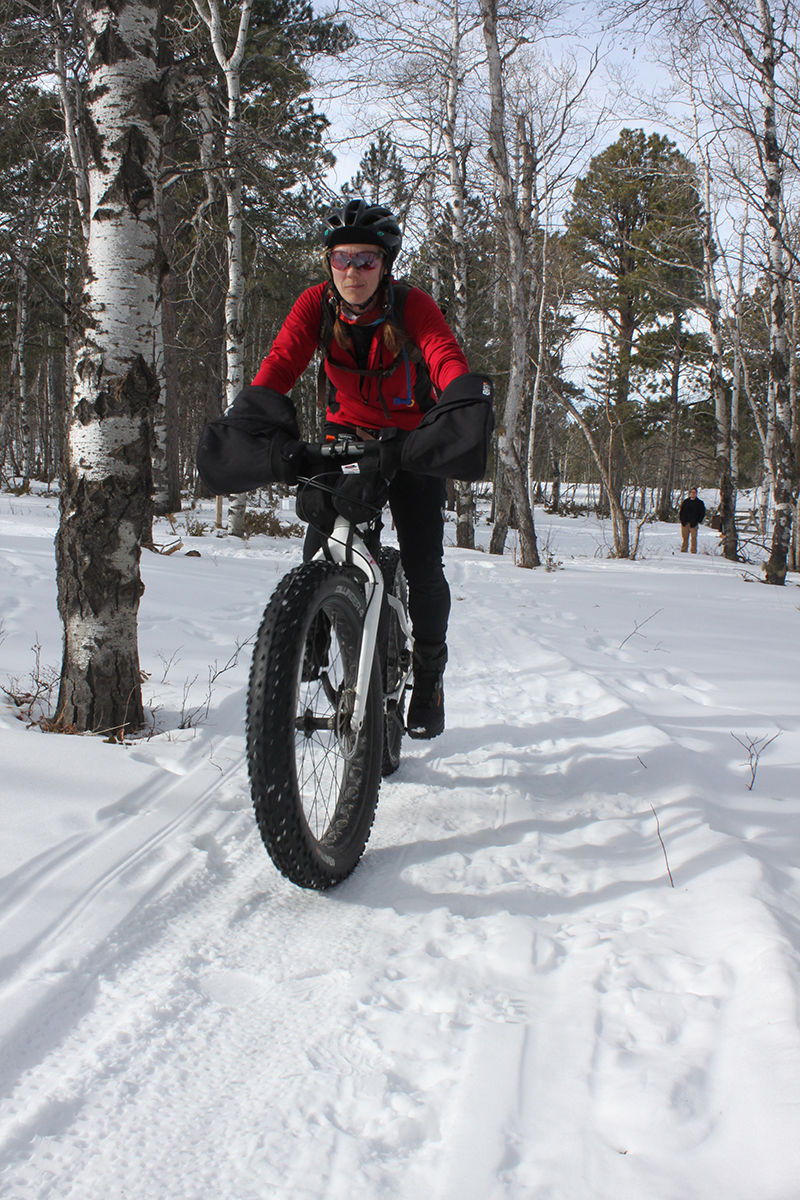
<point>358,397</point>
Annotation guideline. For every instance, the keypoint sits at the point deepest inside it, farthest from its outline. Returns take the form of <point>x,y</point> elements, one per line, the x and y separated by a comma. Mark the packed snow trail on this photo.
<point>507,999</point>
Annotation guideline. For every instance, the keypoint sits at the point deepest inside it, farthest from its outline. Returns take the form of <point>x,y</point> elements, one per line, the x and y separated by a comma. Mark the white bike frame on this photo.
<point>346,546</point>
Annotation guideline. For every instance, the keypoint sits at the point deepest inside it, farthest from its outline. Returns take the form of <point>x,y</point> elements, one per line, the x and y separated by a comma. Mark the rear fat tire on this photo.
<point>395,656</point>
<point>314,790</point>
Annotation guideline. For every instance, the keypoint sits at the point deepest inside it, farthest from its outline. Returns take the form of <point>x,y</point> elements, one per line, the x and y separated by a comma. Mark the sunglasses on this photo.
<point>363,260</point>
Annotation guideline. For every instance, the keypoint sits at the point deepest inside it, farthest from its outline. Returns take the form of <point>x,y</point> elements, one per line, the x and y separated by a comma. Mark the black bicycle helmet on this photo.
<point>358,221</point>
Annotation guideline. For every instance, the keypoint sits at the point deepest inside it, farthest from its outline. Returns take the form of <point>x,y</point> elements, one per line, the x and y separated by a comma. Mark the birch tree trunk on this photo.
<point>428,191</point>
<point>775,567</point>
<point>667,487</point>
<point>747,33</point>
<point>465,498</point>
<point>17,379</point>
<point>105,504</point>
<point>164,433</point>
<point>169,499</point>
<point>738,373</point>
<point>21,403</point>
<point>541,359</point>
<point>741,382</point>
<point>231,67</point>
<point>794,552</point>
<point>514,464</point>
<point>163,498</point>
<point>74,123</point>
<point>727,495</point>
<point>618,517</point>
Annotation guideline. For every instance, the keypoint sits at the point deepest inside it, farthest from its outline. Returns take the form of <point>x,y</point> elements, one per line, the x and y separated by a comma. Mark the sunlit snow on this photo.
<point>509,998</point>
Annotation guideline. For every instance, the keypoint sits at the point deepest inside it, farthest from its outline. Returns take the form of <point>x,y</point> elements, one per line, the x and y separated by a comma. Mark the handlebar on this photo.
<point>340,450</point>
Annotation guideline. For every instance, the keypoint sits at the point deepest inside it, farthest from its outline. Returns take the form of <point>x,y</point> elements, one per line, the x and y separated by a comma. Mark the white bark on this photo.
<point>775,569</point>
<point>122,275</point>
<point>72,126</point>
<point>722,419</point>
<point>161,490</point>
<point>746,85</point>
<point>465,501</point>
<point>540,362</point>
<point>517,259</point>
<point>106,497</point>
<point>231,67</point>
<point>741,371</point>
<point>738,373</point>
<point>457,197</point>
<point>428,193</point>
<point>17,375</point>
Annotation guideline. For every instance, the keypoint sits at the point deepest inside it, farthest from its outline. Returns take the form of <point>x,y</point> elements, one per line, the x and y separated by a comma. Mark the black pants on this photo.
<point>416,503</point>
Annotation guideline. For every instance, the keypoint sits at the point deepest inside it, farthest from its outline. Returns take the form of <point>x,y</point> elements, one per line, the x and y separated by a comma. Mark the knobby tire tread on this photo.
<point>271,731</point>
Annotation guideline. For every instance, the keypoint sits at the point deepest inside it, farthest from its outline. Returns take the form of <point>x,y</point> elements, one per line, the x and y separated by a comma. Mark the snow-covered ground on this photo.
<point>509,998</point>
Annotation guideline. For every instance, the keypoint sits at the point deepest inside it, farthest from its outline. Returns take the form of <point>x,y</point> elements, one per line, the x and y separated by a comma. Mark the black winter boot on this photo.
<point>426,710</point>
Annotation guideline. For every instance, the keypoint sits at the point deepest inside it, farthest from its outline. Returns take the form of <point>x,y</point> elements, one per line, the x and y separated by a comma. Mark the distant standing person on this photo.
<point>691,515</point>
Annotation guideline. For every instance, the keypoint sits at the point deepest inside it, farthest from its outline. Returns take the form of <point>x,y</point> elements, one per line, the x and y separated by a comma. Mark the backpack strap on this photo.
<point>423,387</point>
<point>325,337</point>
<point>424,392</point>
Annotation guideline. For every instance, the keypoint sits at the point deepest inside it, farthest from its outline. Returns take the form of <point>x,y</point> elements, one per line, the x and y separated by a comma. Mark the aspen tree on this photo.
<point>750,62</point>
<point>230,64</point>
<point>106,486</point>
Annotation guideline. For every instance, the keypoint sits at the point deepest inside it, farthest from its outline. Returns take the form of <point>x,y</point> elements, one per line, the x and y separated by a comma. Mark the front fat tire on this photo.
<point>314,792</point>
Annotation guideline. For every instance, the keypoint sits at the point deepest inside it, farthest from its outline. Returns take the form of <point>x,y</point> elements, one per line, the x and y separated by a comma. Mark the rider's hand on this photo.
<point>288,458</point>
<point>390,446</point>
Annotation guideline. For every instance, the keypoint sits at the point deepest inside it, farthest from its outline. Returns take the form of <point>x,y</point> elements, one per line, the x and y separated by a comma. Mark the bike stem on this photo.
<point>345,546</point>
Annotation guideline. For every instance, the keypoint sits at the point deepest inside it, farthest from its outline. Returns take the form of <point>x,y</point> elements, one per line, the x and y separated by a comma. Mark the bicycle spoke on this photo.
<point>321,762</point>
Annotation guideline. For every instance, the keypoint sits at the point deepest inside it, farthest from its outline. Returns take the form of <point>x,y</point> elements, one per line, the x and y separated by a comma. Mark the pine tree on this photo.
<point>381,177</point>
<point>635,229</point>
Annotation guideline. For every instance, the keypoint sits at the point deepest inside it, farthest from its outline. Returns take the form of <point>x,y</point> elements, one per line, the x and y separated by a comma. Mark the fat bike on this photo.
<point>329,676</point>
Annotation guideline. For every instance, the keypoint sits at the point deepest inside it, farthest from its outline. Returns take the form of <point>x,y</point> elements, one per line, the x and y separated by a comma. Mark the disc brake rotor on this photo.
<point>343,723</point>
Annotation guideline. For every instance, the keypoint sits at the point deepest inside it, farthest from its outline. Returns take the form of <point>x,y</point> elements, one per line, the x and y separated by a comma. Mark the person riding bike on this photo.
<point>382,373</point>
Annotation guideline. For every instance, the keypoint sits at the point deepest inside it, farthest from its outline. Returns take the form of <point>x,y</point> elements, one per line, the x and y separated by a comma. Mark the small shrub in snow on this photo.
<point>269,523</point>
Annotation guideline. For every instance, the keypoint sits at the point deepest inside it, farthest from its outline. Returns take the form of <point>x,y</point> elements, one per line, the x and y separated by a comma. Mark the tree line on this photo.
<point>163,177</point>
